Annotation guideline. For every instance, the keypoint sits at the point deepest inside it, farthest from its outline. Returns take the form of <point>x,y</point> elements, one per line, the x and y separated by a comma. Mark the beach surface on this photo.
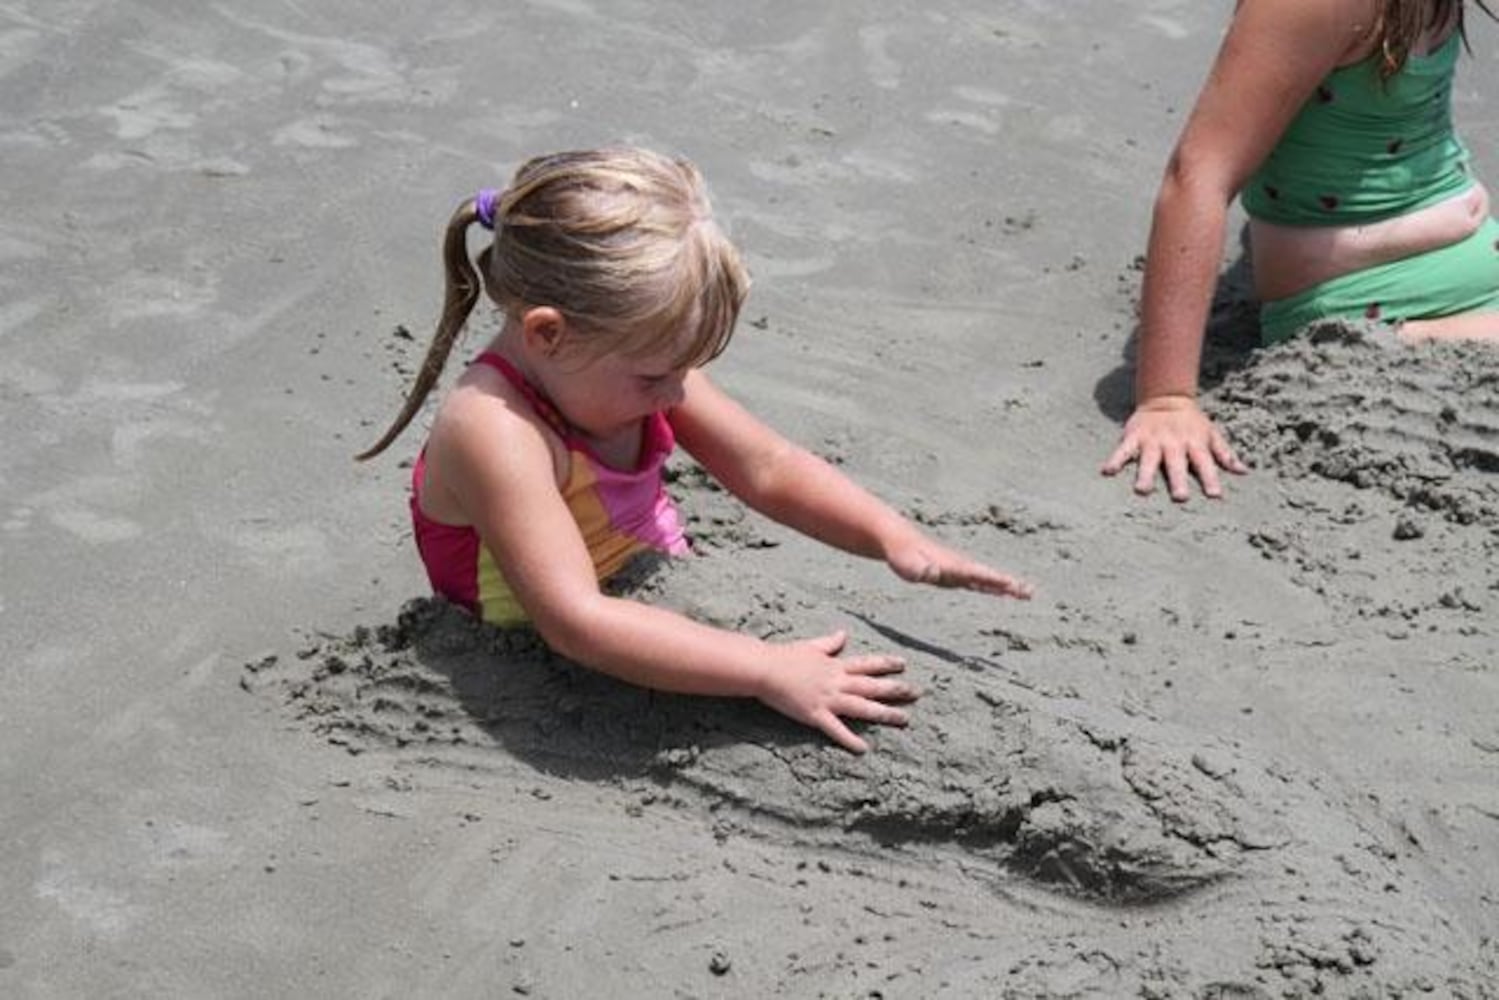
<point>1245,748</point>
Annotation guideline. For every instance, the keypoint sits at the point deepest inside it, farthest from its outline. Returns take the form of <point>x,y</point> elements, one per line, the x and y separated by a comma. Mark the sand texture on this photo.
<point>1236,749</point>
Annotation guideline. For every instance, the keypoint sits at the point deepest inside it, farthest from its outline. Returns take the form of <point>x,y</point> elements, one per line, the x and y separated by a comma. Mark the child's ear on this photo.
<point>542,328</point>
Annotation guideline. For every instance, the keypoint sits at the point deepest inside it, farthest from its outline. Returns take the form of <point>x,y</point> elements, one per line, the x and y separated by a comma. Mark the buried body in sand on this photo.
<point>542,474</point>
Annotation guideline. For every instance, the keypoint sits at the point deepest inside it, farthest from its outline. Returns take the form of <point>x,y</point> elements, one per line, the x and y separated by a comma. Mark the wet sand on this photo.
<point>1232,749</point>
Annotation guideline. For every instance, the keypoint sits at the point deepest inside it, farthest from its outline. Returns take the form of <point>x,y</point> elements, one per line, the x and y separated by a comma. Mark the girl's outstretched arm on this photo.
<point>499,467</point>
<point>1274,55</point>
<point>788,483</point>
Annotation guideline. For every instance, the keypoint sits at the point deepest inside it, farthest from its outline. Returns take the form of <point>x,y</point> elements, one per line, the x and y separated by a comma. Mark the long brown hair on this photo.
<point>621,241</point>
<point>1402,23</point>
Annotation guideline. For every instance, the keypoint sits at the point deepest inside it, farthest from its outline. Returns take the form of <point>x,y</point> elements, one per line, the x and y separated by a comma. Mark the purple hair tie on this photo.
<point>484,205</point>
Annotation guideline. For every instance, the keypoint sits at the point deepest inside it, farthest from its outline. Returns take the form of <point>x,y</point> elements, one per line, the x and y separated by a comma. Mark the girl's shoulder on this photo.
<point>485,416</point>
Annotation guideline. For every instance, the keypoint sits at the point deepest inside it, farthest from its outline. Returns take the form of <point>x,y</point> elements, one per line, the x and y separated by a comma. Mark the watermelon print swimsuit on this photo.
<point>1364,149</point>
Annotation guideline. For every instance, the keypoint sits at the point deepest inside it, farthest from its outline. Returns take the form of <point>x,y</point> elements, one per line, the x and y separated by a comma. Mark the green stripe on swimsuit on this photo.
<point>1463,277</point>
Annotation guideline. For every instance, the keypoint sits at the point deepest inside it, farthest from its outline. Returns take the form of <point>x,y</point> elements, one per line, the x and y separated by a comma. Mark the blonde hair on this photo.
<point>622,242</point>
<point>1401,24</point>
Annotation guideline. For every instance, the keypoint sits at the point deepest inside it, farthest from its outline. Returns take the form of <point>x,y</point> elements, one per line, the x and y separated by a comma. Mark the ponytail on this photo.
<point>621,241</point>
<point>460,294</point>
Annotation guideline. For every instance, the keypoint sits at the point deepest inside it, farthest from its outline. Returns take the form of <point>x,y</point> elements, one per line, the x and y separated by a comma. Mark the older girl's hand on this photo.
<point>1172,434</point>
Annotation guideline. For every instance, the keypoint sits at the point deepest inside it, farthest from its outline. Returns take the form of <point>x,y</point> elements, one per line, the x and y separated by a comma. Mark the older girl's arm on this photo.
<point>1275,53</point>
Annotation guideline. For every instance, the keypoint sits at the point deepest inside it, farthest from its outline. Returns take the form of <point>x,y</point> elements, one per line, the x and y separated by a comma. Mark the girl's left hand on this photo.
<point>922,560</point>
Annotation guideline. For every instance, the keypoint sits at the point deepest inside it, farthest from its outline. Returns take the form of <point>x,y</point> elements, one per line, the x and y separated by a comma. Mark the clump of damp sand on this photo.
<point>1351,404</point>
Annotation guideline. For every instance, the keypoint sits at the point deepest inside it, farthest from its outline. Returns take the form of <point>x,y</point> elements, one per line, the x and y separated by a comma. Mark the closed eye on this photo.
<point>653,381</point>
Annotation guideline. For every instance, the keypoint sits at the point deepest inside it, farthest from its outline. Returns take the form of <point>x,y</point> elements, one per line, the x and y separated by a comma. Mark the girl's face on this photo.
<point>611,393</point>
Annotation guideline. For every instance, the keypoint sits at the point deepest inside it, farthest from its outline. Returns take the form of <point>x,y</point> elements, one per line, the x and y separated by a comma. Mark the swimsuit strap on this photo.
<point>544,407</point>
<point>657,436</point>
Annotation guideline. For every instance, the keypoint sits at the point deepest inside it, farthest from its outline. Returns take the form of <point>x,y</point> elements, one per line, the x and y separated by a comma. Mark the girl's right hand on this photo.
<point>809,683</point>
<point>1171,433</point>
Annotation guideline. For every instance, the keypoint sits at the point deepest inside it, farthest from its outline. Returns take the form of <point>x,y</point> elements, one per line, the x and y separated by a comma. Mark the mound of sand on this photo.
<point>1351,404</point>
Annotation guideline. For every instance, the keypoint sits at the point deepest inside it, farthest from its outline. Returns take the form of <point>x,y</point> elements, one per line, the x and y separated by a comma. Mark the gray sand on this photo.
<point>1233,749</point>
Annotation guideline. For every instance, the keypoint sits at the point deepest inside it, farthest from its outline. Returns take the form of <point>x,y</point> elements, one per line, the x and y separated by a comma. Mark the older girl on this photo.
<point>1333,120</point>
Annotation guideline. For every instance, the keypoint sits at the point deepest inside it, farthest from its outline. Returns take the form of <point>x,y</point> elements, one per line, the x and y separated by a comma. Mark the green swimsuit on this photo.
<point>1361,150</point>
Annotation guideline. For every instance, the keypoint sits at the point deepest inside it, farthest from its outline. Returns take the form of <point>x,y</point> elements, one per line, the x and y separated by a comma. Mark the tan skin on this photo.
<point>1272,59</point>
<point>511,495</point>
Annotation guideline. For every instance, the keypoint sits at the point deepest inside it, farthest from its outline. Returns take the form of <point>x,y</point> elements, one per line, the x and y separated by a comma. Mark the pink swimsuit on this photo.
<point>619,513</point>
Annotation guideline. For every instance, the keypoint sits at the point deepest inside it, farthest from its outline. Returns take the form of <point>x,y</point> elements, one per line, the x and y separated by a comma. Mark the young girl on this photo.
<point>542,474</point>
<point>1334,120</point>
